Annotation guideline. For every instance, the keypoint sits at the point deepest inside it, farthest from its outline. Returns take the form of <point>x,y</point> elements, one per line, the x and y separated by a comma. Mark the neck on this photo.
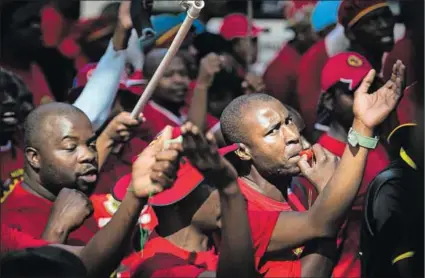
<point>374,57</point>
<point>270,187</point>
<point>338,131</point>
<point>190,239</point>
<point>32,185</point>
<point>172,107</point>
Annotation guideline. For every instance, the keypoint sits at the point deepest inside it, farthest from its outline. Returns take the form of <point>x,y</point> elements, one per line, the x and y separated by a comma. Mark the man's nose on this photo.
<point>291,134</point>
<point>88,155</point>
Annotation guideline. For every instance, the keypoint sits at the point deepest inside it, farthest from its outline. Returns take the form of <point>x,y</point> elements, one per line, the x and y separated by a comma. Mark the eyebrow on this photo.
<point>69,137</point>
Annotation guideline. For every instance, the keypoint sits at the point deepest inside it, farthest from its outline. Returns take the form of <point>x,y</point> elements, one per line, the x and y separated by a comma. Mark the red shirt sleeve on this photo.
<point>262,224</point>
<point>12,239</point>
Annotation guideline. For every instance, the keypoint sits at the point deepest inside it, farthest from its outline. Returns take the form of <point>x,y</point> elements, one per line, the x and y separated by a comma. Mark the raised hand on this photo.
<point>123,127</point>
<point>210,65</point>
<point>156,167</point>
<point>321,169</point>
<point>70,209</point>
<point>253,84</point>
<point>202,152</point>
<point>372,109</point>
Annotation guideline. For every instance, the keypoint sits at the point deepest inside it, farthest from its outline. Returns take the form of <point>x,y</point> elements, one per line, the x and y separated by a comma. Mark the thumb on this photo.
<point>366,83</point>
<point>164,135</point>
<point>304,165</point>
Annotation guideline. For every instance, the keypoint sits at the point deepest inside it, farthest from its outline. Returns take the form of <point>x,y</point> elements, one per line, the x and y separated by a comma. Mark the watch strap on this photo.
<point>355,139</point>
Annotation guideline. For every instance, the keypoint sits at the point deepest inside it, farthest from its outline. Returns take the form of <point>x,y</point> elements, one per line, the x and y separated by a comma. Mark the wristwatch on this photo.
<point>356,139</point>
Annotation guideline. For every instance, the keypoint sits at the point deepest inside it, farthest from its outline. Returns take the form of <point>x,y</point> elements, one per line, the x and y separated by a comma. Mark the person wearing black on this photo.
<point>391,240</point>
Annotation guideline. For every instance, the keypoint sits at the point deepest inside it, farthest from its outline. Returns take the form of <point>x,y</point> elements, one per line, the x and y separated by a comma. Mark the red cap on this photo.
<point>236,26</point>
<point>347,67</point>
<point>188,178</point>
<point>132,83</point>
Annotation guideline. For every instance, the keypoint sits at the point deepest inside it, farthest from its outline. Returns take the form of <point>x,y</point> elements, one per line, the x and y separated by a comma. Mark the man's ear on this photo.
<point>243,152</point>
<point>33,157</point>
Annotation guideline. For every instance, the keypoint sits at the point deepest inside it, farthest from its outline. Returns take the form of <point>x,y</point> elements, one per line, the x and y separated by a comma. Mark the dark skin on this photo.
<point>173,86</point>
<point>373,35</point>
<point>272,132</point>
<point>67,157</point>
<point>148,171</point>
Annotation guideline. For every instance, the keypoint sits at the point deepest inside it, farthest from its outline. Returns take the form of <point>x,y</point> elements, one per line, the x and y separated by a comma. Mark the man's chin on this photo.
<point>86,188</point>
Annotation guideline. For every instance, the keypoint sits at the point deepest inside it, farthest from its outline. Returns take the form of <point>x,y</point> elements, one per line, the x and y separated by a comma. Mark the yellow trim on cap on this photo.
<point>397,128</point>
<point>403,256</point>
<point>167,35</point>
<point>365,12</point>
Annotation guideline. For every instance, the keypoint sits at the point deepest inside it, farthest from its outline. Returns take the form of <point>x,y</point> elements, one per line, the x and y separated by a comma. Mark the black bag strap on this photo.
<point>394,171</point>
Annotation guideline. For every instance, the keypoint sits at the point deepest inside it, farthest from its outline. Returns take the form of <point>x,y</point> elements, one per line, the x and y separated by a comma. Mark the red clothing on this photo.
<point>117,166</point>
<point>29,214</point>
<point>12,239</point>
<point>403,50</point>
<point>280,77</point>
<point>309,82</point>
<point>11,164</point>
<point>36,83</point>
<point>161,258</point>
<point>263,213</point>
<point>158,117</point>
<point>348,237</point>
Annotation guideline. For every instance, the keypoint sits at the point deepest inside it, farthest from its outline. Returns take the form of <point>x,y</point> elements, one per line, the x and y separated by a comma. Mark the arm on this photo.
<point>236,247</point>
<point>318,258</point>
<point>236,250</point>
<point>99,93</point>
<point>210,65</point>
<point>325,216</point>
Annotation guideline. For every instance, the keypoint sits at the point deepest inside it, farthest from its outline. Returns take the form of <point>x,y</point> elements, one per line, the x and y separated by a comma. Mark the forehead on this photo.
<point>75,125</point>
<point>260,114</point>
<point>177,63</point>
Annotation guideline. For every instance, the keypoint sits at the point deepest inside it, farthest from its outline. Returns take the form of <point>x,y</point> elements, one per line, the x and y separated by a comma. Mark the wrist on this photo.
<point>56,231</point>
<point>362,129</point>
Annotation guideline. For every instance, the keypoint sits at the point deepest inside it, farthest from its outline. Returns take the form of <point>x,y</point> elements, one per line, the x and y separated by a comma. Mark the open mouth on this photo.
<point>9,118</point>
<point>89,176</point>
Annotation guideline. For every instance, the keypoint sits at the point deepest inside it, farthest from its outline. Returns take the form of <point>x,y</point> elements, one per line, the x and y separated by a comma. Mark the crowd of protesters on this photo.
<point>313,168</point>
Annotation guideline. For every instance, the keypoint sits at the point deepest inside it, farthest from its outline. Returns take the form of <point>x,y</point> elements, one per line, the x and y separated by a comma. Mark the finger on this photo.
<point>366,83</point>
<point>168,155</point>
<point>319,154</point>
<point>169,169</point>
<point>176,147</point>
<point>305,167</point>
<point>165,134</point>
<point>161,179</point>
<point>329,154</point>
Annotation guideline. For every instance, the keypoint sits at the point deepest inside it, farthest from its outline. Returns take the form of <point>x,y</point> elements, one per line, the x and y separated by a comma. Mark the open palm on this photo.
<point>372,109</point>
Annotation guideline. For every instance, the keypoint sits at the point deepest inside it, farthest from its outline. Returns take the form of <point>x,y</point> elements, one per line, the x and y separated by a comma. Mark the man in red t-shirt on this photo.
<point>341,76</point>
<point>167,105</point>
<point>269,146</point>
<point>60,152</point>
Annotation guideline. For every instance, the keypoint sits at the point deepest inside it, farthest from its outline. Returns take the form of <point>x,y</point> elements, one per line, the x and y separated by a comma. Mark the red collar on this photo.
<point>331,144</point>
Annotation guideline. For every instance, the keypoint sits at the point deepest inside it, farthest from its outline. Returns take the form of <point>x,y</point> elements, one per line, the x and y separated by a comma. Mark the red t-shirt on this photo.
<point>348,237</point>
<point>158,118</point>
<point>11,164</point>
<point>29,214</point>
<point>280,77</point>
<point>263,214</point>
<point>161,258</point>
<point>117,166</point>
<point>308,82</point>
<point>36,83</point>
<point>12,239</point>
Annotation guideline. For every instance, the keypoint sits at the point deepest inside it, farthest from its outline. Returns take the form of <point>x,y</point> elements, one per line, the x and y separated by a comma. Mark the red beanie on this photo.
<point>351,11</point>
